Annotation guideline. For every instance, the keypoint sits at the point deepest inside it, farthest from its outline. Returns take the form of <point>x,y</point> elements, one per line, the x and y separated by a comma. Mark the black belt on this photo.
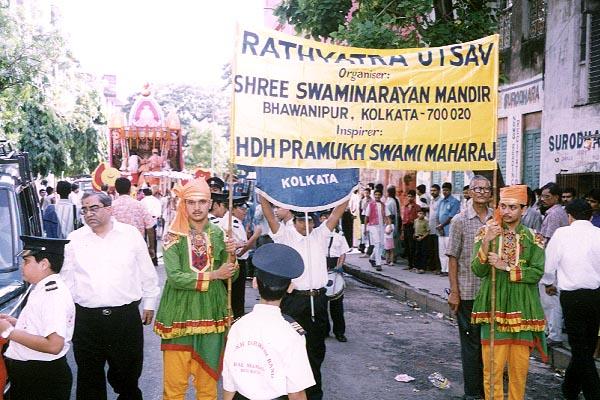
<point>106,311</point>
<point>310,292</point>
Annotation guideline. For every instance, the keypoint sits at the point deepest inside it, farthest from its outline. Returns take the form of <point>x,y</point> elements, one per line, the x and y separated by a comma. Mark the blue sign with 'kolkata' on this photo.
<point>306,189</point>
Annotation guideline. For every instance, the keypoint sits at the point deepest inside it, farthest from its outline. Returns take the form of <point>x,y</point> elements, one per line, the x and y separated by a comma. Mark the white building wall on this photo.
<point>567,117</point>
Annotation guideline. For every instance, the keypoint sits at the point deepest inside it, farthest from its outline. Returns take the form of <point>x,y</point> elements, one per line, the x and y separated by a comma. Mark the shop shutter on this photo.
<point>594,61</point>
<point>502,156</point>
<point>436,177</point>
<point>458,181</point>
<point>531,158</point>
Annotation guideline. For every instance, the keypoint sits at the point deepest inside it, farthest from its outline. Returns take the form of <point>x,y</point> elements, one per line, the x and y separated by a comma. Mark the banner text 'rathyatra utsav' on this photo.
<point>300,103</point>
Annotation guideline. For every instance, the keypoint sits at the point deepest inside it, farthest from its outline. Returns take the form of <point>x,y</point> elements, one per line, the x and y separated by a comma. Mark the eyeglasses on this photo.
<point>480,189</point>
<point>91,209</point>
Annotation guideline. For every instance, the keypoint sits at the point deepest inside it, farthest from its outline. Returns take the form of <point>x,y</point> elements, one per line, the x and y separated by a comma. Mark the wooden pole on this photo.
<point>230,236</point>
<point>493,292</point>
<point>230,179</point>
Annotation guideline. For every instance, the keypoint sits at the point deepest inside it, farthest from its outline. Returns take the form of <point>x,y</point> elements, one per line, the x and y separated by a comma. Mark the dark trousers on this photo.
<point>347,223</point>
<point>297,306</point>
<point>581,310</point>
<point>110,335</point>
<point>152,244</point>
<point>39,380</point>
<point>336,312</point>
<point>421,253</point>
<point>433,253</point>
<point>238,290</point>
<point>408,230</point>
<point>470,350</point>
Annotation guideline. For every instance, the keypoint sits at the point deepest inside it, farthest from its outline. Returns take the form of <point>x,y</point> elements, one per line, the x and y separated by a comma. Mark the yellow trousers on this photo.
<point>178,365</point>
<point>517,357</point>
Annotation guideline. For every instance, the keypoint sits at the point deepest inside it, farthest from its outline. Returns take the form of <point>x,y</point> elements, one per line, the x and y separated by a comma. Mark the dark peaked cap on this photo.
<point>275,260</point>
<point>215,181</point>
<point>219,197</point>
<point>239,200</point>
<point>33,245</point>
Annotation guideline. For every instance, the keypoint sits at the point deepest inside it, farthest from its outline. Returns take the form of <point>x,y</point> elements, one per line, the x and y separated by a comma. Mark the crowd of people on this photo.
<point>95,270</point>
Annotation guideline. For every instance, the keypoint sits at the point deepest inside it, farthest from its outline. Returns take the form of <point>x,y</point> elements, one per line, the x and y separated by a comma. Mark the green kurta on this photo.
<point>192,314</point>
<point>519,314</point>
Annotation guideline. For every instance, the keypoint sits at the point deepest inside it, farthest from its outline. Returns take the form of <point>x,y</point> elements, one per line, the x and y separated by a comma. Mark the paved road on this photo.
<point>386,337</point>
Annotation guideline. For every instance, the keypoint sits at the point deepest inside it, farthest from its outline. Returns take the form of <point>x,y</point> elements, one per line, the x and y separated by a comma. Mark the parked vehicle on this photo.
<point>20,215</point>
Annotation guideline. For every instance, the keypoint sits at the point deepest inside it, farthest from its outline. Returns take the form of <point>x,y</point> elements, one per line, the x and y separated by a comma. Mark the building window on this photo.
<point>594,60</point>
<point>504,23</point>
<point>537,18</point>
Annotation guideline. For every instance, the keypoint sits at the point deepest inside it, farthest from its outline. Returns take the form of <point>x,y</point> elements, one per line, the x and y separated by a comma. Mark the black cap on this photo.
<point>215,181</point>
<point>301,214</point>
<point>33,245</point>
<point>239,200</point>
<point>277,263</point>
<point>219,197</point>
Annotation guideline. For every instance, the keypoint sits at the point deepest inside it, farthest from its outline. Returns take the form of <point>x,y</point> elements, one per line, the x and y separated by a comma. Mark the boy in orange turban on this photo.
<point>192,314</point>
<point>519,317</point>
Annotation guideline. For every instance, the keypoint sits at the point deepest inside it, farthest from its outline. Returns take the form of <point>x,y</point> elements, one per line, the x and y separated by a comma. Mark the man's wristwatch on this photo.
<point>6,333</point>
<point>507,268</point>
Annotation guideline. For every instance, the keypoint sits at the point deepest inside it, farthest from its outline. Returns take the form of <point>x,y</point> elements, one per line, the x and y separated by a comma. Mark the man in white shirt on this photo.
<point>154,208</point>
<point>75,195</point>
<point>432,238</point>
<point>109,272</point>
<point>573,267</point>
<point>307,303</point>
<point>265,356</point>
<point>66,211</point>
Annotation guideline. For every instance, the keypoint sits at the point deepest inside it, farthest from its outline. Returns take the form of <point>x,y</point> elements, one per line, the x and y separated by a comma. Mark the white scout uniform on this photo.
<point>214,219</point>
<point>238,231</point>
<point>265,356</point>
<point>337,244</point>
<point>49,309</point>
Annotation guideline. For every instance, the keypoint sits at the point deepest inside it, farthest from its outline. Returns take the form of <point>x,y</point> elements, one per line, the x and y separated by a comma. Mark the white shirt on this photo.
<point>110,271</point>
<point>49,309</point>
<point>573,257</point>
<point>265,357</point>
<point>152,205</point>
<point>239,233</point>
<point>433,220</point>
<point>75,198</point>
<point>315,262</point>
<point>65,211</point>
<point>339,245</point>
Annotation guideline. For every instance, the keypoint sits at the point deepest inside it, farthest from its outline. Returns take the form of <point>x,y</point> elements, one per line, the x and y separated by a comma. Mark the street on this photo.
<point>386,337</point>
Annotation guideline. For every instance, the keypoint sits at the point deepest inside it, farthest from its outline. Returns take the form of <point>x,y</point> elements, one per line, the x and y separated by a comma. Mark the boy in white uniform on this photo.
<point>40,338</point>
<point>265,357</point>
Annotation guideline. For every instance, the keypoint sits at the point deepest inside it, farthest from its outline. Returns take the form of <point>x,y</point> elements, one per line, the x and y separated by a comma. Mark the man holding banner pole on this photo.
<point>515,324</point>
<point>307,303</point>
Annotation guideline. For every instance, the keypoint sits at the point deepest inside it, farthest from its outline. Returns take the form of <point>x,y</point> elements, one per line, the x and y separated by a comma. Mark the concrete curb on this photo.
<point>558,357</point>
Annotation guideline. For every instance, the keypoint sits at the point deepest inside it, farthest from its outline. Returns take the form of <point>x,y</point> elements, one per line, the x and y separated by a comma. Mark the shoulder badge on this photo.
<point>50,286</point>
<point>296,326</point>
<point>169,240</point>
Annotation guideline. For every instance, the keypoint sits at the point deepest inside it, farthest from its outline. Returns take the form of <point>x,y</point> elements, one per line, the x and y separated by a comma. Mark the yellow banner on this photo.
<point>301,103</point>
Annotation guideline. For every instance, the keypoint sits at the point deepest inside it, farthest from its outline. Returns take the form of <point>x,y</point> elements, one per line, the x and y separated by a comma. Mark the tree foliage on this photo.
<point>390,23</point>
<point>47,105</point>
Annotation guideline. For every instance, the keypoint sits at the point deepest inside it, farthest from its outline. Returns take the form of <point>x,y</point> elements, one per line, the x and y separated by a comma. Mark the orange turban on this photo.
<point>515,194</point>
<point>196,189</point>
